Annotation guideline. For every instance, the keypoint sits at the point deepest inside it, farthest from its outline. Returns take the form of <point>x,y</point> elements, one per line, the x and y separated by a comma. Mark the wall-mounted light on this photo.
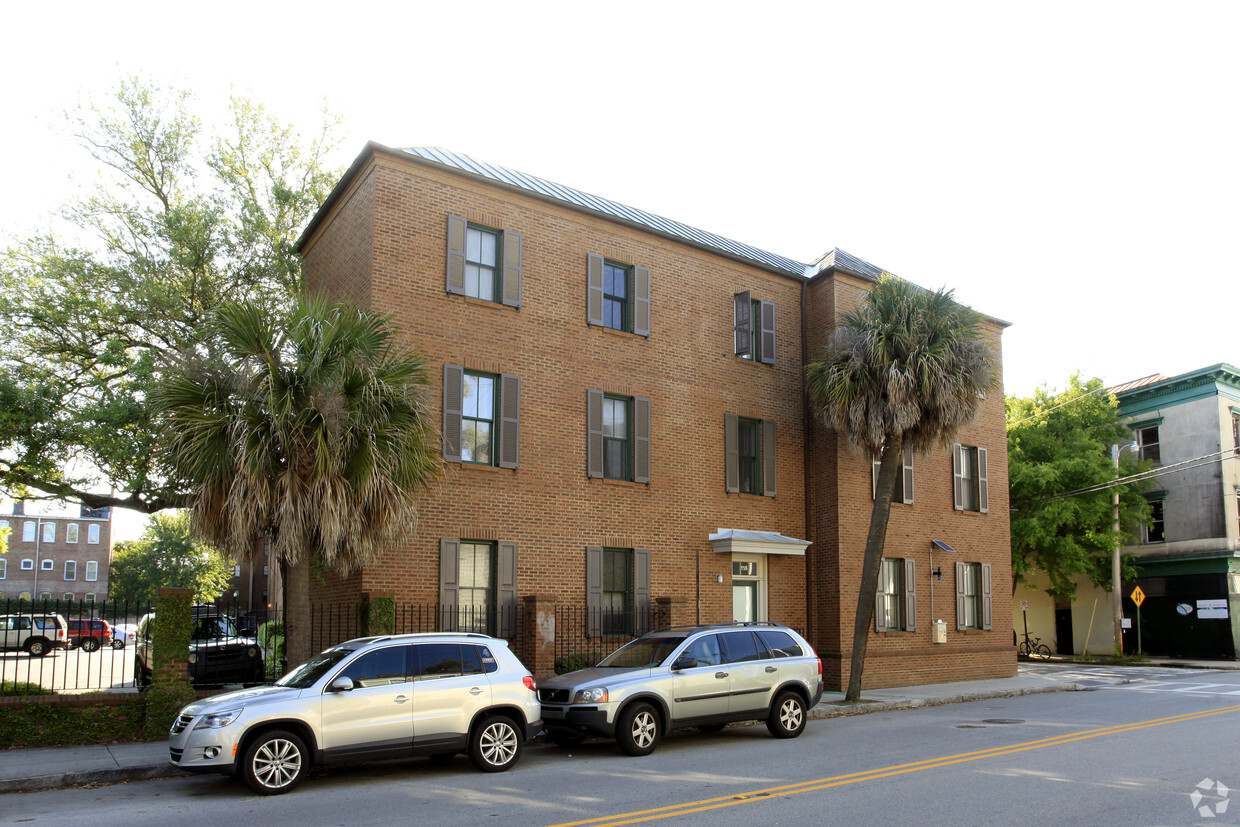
<point>718,578</point>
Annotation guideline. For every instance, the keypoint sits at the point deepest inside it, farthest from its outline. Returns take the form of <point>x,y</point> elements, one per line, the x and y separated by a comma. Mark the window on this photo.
<point>904,480</point>
<point>92,533</point>
<point>48,564</point>
<point>749,455</point>
<point>618,437</point>
<point>4,568</point>
<point>617,591</point>
<point>1147,439</point>
<point>617,296</point>
<point>1153,533</point>
<point>754,327</point>
<point>378,667</point>
<point>68,598</point>
<point>89,598</point>
<point>480,426</point>
<point>27,564</point>
<point>28,529</point>
<point>896,606</point>
<point>484,263</point>
<point>71,533</point>
<point>478,585</point>
<point>24,596</point>
<point>71,570</point>
<point>973,597</point>
<point>92,570</point>
<point>49,532</point>
<point>970,487</point>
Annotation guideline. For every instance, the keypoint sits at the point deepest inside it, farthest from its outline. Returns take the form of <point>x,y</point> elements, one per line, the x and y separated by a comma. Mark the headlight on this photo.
<point>597,695</point>
<point>215,720</point>
<point>193,657</point>
<point>252,652</point>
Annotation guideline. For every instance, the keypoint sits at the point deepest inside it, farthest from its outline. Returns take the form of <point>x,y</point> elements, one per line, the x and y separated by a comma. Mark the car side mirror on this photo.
<point>341,685</point>
<point>685,661</point>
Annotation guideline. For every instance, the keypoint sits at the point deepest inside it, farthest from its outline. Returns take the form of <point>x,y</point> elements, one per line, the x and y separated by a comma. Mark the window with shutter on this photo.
<point>618,437</point>
<point>749,455</point>
<point>478,586</point>
<point>754,328</point>
<point>970,486</point>
<point>484,263</point>
<point>617,591</point>
<point>617,295</point>
<point>481,417</point>
<point>904,480</point>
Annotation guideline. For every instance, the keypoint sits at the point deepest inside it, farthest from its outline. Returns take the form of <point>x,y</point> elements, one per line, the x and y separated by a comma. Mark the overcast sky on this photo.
<point>1070,168</point>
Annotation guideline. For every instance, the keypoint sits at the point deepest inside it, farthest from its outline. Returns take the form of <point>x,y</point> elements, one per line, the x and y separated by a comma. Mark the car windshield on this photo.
<point>310,671</point>
<point>646,651</point>
<point>213,628</point>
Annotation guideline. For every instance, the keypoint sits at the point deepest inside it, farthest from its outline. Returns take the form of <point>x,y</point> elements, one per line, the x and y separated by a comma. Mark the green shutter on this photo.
<point>453,405</point>
<point>594,433</point>
<point>767,338</point>
<point>594,591</point>
<point>983,485</point>
<point>510,290</point>
<point>742,322</point>
<point>641,440</point>
<point>731,454</point>
<point>449,582</point>
<point>509,421</point>
<point>768,457</point>
<point>910,595</point>
<point>641,301</point>
<point>641,591</point>
<point>506,588</point>
<point>594,289</point>
<point>456,254</point>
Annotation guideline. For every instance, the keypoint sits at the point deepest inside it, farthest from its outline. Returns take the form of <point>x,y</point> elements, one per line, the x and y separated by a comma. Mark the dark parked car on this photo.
<point>88,634</point>
<point>218,653</point>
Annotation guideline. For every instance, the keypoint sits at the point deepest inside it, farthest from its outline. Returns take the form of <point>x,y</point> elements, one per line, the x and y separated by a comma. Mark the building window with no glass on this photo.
<point>478,585</point>
<point>754,328</point>
<point>618,437</point>
<point>973,596</point>
<point>904,480</point>
<point>92,533</point>
<point>92,570</point>
<point>481,417</point>
<point>71,533</point>
<point>71,570</point>
<point>617,296</point>
<point>749,455</point>
<point>970,486</point>
<point>1147,440</point>
<point>1154,532</point>
<point>617,591</point>
<point>484,263</point>
<point>896,608</point>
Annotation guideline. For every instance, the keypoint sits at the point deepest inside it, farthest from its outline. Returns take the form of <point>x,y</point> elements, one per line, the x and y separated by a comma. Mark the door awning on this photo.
<point>734,540</point>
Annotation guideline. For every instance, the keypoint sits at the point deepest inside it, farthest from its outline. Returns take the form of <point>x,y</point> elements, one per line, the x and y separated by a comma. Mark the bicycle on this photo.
<point>1034,647</point>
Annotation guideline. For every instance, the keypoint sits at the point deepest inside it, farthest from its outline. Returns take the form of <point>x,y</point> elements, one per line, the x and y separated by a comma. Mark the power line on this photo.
<point>1056,407</point>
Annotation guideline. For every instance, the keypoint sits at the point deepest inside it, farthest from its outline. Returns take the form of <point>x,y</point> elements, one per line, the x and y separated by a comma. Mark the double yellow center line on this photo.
<point>704,805</point>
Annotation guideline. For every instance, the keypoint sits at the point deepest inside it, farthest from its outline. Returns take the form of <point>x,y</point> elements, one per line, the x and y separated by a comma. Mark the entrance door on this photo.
<point>1063,628</point>
<point>744,600</point>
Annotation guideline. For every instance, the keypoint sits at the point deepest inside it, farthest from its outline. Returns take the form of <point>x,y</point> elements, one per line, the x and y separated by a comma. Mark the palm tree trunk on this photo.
<point>891,464</point>
<point>298,646</point>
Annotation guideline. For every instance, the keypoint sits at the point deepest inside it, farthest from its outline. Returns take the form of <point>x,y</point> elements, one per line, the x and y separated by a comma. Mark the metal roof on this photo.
<point>548,189</point>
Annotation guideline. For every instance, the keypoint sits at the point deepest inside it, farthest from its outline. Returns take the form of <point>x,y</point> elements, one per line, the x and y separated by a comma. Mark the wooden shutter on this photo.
<point>510,289</point>
<point>594,433</point>
<point>874,466</point>
<point>957,481</point>
<point>641,591</point>
<point>453,401</point>
<point>960,596</point>
<point>742,323</point>
<point>731,454</point>
<point>768,458</point>
<point>908,475</point>
<point>983,485</point>
<point>456,255</point>
<point>910,595</point>
<point>594,591</point>
<point>506,588</point>
<point>767,339</point>
<point>880,620</point>
<point>641,301</point>
<point>986,602</point>
<point>594,289</point>
<point>509,421</point>
<point>449,581</point>
<point>641,440</point>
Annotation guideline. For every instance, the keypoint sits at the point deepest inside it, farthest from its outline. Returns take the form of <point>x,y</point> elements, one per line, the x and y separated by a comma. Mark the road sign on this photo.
<point>1024,605</point>
<point>1137,596</point>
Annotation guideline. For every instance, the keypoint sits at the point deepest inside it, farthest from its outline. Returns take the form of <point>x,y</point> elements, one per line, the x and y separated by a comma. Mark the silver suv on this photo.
<point>687,676</point>
<point>367,699</point>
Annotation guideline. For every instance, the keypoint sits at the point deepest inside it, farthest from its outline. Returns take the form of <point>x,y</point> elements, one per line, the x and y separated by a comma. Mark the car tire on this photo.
<point>275,762</point>
<point>639,729</point>
<point>37,647</point>
<point>787,717</point>
<point>89,644</point>
<point>141,675</point>
<point>118,643</point>
<point>495,744</point>
<point>565,738</point>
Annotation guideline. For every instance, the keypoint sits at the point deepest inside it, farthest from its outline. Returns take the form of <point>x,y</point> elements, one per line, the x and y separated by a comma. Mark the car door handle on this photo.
<point>475,690</point>
<point>400,699</point>
<point>721,674</point>
<point>772,668</point>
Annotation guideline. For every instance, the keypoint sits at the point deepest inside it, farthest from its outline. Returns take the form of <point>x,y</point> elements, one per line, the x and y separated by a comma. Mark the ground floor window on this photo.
<point>973,598</point>
<point>617,591</point>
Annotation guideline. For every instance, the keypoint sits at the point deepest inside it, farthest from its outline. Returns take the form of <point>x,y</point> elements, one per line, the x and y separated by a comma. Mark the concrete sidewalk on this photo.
<point>29,770</point>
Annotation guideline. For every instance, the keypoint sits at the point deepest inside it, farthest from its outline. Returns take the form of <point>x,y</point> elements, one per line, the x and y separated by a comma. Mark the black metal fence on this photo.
<point>584,636</point>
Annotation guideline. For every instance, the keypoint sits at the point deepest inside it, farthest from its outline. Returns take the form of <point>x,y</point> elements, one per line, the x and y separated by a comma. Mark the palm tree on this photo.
<point>907,367</point>
<point>309,428</point>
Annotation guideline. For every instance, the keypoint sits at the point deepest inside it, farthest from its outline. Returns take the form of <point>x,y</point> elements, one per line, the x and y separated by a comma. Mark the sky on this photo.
<point>1070,168</point>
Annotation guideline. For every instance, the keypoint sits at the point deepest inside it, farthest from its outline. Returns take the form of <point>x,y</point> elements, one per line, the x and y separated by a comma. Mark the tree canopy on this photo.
<point>177,224</point>
<point>166,556</point>
<point>907,367</point>
<point>1058,444</point>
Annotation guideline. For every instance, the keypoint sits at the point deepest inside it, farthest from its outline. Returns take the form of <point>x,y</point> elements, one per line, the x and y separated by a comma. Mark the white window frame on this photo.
<point>92,570</point>
<point>89,597</point>
<point>47,564</point>
<point>49,532</point>
<point>68,598</point>
<point>27,564</point>
<point>71,533</point>
<point>92,534</point>
<point>71,570</point>
<point>4,568</point>
<point>28,531</point>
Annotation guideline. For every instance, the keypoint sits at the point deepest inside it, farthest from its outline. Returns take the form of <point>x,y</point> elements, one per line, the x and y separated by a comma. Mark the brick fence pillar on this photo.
<point>537,635</point>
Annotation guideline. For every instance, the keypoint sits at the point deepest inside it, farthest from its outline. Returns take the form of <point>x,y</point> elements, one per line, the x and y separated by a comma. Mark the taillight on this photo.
<point>528,680</point>
<point>820,667</point>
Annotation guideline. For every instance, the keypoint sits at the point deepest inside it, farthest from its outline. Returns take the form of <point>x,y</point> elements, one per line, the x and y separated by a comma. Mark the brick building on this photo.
<point>57,558</point>
<point>624,424</point>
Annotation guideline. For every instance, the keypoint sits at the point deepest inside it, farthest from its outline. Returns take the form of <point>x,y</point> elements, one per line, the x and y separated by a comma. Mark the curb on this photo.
<point>830,709</point>
<point>87,778</point>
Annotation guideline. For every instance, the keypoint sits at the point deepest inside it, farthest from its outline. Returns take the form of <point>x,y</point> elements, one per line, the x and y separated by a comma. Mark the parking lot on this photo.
<point>72,670</point>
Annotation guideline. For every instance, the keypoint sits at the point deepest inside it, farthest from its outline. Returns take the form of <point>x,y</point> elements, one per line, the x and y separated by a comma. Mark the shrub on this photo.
<point>23,688</point>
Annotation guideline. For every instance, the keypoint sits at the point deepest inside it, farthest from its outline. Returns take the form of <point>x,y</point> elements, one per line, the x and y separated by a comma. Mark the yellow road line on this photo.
<point>704,805</point>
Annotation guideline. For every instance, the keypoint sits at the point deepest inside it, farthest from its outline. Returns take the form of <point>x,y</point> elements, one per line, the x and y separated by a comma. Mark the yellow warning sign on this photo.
<point>1137,596</point>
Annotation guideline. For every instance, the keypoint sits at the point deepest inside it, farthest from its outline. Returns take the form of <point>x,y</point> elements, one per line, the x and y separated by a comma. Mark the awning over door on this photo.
<point>739,541</point>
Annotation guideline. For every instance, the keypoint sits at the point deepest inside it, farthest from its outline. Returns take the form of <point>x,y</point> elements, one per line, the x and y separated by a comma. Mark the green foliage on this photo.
<point>166,555</point>
<point>1060,443</point>
<point>23,688</point>
<point>575,661</point>
<point>271,639</point>
<point>178,225</point>
<point>379,616</point>
<point>33,724</point>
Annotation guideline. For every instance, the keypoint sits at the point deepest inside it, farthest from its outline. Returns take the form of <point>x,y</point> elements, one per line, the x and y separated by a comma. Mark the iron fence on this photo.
<point>584,636</point>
